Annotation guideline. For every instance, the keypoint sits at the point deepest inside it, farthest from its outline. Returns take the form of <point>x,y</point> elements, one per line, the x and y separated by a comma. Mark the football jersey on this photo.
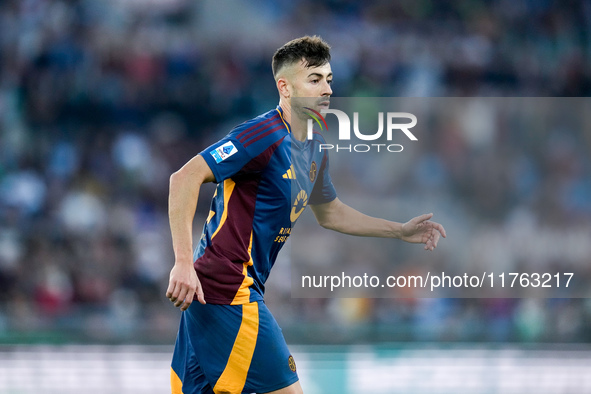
<point>265,180</point>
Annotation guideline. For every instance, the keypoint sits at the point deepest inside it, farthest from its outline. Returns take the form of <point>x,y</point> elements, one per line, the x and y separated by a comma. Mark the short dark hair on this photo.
<point>313,50</point>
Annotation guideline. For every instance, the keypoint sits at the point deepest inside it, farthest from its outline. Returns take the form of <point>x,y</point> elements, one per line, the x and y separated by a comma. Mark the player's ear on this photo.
<point>284,87</point>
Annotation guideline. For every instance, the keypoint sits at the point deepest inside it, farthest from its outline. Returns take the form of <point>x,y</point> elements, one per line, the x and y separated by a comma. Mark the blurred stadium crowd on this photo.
<point>100,101</point>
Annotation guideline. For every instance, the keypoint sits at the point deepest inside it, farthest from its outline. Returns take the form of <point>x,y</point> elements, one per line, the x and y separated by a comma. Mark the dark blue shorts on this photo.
<point>230,349</point>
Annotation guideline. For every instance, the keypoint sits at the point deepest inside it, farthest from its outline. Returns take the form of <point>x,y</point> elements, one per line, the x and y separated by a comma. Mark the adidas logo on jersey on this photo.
<point>290,174</point>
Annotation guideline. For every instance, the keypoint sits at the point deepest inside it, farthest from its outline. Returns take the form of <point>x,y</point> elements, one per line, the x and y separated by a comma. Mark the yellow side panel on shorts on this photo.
<point>233,378</point>
<point>176,385</point>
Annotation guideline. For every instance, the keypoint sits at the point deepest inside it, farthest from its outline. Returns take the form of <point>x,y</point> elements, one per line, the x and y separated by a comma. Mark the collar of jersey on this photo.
<point>285,122</point>
<point>294,141</point>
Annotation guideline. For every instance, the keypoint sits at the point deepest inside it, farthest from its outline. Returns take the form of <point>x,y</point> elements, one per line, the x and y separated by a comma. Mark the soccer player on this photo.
<point>228,341</point>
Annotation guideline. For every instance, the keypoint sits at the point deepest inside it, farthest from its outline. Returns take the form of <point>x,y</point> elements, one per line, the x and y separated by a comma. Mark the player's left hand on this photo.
<point>421,230</point>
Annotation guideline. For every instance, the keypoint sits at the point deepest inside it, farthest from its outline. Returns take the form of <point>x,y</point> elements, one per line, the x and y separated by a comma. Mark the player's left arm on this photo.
<point>337,216</point>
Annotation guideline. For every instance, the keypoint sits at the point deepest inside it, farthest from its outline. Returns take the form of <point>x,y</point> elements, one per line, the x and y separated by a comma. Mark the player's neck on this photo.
<point>286,109</point>
<point>297,127</point>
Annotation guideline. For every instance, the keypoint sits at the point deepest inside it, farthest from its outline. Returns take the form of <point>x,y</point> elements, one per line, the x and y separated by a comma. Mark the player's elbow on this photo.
<point>195,173</point>
<point>176,178</point>
<point>325,221</point>
<point>328,215</point>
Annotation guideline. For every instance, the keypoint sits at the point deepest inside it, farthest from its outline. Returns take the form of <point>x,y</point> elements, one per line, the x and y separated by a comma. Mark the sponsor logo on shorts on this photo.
<point>224,151</point>
<point>291,363</point>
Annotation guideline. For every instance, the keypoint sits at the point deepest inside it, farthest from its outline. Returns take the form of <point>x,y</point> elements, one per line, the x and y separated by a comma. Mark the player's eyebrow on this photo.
<point>319,75</point>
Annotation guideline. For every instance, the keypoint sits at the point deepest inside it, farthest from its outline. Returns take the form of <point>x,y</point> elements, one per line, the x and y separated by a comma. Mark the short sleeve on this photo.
<point>246,148</point>
<point>324,190</point>
<point>226,157</point>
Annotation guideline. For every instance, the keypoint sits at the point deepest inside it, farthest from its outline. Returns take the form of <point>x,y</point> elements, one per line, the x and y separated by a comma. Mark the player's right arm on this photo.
<point>182,201</point>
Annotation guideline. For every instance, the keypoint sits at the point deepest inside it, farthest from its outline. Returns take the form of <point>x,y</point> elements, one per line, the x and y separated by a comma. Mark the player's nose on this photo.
<point>326,91</point>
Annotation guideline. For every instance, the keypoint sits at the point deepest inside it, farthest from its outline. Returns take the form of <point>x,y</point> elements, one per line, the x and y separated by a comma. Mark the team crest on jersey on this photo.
<point>313,171</point>
<point>291,363</point>
<point>224,151</point>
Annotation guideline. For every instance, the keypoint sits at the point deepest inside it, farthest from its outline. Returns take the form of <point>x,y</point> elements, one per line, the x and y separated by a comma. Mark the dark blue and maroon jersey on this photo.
<point>265,180</point>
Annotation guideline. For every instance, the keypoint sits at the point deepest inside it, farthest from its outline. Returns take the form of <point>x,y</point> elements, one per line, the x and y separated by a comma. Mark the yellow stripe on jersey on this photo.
<point>175,383</point>
<point>228,189</point>
<point>283,120</point>
<point>233,378</point>
<point>243,294</point>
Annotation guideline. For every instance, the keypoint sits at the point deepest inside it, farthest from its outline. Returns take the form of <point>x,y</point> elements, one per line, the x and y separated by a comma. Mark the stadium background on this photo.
<point>100,101</point>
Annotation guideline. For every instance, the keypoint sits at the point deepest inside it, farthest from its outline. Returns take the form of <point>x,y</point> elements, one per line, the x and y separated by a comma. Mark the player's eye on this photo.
<point>329,81</point>
<point>314,81</point>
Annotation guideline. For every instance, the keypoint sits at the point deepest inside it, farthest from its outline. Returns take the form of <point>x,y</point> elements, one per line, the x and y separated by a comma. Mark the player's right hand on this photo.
<point>183,284</point>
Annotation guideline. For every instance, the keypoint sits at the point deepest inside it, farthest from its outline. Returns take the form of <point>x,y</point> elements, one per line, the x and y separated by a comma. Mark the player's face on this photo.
<point>313,83</point>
